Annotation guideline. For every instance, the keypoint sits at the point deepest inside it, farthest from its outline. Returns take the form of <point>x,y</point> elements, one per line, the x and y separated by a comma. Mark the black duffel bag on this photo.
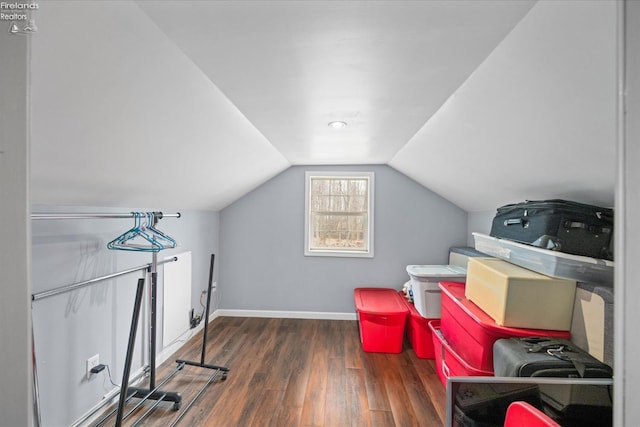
<point>545,357</point>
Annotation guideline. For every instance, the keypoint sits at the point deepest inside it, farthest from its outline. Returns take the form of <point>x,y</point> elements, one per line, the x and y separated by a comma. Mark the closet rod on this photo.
<point>159,215</point>
<point>68,288</point>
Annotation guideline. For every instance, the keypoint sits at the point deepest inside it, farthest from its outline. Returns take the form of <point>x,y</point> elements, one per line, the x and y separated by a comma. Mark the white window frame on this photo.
<point>367,252</point>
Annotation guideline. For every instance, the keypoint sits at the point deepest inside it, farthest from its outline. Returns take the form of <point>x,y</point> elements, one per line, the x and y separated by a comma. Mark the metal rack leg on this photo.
<point>37,420</point>
<point>152,393</point>
<point>201,364</point>
<point>129,357</point>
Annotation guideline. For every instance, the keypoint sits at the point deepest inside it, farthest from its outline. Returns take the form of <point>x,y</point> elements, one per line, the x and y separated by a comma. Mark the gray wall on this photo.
<point>262,263</point>
<point>73,326</point>
<point>479,222</point>
<point>15,315</point>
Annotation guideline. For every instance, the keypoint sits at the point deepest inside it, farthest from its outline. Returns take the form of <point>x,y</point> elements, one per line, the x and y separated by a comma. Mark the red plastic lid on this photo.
<point>455,291</point>
<point>379,301</point>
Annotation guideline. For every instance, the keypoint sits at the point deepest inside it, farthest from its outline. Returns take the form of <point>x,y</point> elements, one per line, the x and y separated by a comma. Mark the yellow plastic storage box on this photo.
<point>516,297</point>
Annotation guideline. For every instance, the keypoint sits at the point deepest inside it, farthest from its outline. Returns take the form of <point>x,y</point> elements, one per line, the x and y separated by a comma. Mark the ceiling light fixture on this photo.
<point>337,124</point>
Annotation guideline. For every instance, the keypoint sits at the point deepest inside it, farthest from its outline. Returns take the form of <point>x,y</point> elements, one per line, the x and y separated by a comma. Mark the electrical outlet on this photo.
<point>92,362</point>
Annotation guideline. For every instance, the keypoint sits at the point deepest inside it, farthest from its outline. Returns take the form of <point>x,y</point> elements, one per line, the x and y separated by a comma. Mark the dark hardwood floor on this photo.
<point>293,372</point>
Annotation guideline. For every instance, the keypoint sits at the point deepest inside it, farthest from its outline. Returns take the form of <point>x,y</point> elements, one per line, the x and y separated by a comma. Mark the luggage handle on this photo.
<point>516,221</point>
<point>538,344</point>
<point>559,353</point>
<point>555,349</point>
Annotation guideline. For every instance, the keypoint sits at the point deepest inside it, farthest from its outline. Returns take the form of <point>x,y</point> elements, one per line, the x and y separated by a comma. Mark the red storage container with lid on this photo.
<point>472,332</point>
<point>448,362</point>
<point>382,315</point>
<point>418,331</point>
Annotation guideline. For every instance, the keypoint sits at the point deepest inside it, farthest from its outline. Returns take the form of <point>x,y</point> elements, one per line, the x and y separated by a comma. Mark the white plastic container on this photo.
<point>424,284</point>
<point>548,262</point>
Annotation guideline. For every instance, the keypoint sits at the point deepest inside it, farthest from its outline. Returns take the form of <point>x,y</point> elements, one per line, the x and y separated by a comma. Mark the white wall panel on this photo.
<point>15,286</point>
<point>177,298</point>
<point>627,229</point>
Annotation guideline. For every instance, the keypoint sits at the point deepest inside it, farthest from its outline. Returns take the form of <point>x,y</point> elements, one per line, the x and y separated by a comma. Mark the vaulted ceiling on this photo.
<point>191,104</point>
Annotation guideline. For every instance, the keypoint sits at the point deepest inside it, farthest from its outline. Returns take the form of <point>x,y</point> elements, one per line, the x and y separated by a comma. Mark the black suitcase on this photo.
<point>545,357</point>
<point>559,225</point>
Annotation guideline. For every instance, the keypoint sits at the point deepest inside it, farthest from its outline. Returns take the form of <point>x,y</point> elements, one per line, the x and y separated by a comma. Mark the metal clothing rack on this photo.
<point>68,288</point>
<point>153,392</point>
<point>158,215</point>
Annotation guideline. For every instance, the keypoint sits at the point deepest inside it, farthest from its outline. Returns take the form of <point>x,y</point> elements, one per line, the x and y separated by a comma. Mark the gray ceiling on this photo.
<point>191,104</point>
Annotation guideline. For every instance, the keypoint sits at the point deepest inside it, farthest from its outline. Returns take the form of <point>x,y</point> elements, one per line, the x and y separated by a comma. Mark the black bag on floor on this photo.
<point>559,225</point>
<point>545,357</point>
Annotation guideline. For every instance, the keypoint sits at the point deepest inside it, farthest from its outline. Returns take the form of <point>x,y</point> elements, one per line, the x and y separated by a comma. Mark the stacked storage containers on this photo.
<point>473,331</point>
<point>464,336</point>
<point>427,303</point>
<point>592,320</point>
<point>499,300</point>
<point>525,292</point>
<point>385,315</point>
<point>459,313</point>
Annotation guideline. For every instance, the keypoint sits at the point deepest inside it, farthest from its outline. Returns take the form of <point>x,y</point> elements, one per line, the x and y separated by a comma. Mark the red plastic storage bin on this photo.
<point>382,315</point>
<point>418,332</point>
<point>448,362</point>
<point>472,332</point>
<point>521,414</point>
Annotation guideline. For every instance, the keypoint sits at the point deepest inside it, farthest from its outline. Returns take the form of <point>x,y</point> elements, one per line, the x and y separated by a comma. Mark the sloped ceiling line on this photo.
<point>195,65</point>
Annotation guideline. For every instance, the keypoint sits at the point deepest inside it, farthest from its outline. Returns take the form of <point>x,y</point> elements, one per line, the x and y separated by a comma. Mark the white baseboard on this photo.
<point>286,314</point>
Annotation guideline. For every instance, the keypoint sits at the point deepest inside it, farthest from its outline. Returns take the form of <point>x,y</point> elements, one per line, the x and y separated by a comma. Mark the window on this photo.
<point>339,214</point>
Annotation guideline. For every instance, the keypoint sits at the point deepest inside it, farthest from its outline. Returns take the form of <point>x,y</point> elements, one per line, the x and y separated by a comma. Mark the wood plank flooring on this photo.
<point>302,373</point>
